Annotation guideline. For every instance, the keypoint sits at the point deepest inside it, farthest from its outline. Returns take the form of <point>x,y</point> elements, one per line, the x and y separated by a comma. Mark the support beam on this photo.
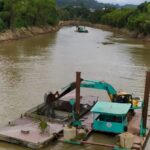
<point>98,144</point>
<point>78,80</point>
<point>146,100</point>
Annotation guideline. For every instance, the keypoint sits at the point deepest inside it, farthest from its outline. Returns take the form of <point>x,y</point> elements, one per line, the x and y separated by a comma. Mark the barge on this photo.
<point>67,117</point>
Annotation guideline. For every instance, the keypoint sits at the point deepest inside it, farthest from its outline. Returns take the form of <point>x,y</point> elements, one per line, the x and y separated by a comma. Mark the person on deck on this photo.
<point>49,100</point>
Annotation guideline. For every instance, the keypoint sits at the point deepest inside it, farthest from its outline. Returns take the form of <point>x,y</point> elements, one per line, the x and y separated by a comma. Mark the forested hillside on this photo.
<point>23,13</point>
<point>86,3</point>
<point>133,18</point>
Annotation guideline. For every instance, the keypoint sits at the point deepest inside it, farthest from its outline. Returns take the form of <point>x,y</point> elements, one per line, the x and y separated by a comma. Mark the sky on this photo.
<point>122,2</point>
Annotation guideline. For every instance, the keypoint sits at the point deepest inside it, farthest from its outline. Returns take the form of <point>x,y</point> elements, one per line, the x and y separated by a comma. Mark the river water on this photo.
<point>33,66</point>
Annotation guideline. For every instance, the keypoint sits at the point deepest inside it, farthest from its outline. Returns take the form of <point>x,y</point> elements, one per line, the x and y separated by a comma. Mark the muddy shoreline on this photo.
<point>23,32</point>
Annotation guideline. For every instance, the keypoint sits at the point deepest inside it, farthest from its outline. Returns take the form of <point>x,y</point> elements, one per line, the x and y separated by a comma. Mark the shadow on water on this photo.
<point>142,55</point>
<point>13,54</point>
<point>33,46</point>
<point>139,49</point>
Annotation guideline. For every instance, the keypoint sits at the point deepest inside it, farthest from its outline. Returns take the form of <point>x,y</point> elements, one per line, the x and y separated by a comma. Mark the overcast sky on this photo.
<point>122,2</point>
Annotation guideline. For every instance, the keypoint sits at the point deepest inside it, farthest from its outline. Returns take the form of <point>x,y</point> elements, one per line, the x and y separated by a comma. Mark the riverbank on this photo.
<point>26,32</point>
<point>32,31</point>
<point>124,31</point>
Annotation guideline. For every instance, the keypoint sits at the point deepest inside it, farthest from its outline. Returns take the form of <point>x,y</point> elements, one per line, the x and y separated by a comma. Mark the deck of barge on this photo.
<point>12,133</point>
<point>15,131</point>
<point>103,139</point>
<point>34,139</point>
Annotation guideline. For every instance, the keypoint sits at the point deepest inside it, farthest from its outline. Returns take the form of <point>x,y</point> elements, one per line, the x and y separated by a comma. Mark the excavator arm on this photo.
<point>100,85</point>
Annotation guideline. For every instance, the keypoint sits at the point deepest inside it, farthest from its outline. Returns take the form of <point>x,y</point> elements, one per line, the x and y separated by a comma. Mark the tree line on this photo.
<point>135,19</point>
<point>24,13</point>
<point>87,3</point>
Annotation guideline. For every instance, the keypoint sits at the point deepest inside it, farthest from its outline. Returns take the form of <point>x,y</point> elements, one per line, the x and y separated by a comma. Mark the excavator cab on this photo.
<point>123,97</point>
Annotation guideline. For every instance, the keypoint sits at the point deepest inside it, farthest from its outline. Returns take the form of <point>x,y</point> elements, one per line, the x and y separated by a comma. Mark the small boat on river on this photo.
<point>81,29</point>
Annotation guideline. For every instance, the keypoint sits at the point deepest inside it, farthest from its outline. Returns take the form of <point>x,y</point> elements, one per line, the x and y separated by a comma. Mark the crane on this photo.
<point>119,97</point>
<point>114,96</point>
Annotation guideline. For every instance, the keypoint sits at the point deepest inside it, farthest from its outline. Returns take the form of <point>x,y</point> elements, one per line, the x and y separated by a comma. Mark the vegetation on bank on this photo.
<point>133,18</point>
<point>24,13</point>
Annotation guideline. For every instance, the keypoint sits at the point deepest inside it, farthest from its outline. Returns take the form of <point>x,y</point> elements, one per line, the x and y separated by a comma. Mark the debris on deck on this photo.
<point>25,130</point>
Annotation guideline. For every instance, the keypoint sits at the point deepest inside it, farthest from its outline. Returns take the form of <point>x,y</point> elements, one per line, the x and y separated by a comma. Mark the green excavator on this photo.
<point>115,97</point>
<point>118,97</point>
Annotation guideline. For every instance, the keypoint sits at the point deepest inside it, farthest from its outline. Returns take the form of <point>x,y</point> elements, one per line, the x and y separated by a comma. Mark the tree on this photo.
<point>140,19</point>
<point>143,7</point>
<point>117,18</point>
<point>23,13</point>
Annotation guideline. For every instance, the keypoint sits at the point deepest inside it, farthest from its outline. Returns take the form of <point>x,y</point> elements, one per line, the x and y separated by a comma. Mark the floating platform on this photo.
<point>25,130</point>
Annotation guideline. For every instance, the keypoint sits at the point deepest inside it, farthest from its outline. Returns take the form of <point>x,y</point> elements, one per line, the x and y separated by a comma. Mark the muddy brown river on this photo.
<point>33,66</point>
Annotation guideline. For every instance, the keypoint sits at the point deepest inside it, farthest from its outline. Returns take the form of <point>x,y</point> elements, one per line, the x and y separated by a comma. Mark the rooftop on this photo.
<point>111,108</point>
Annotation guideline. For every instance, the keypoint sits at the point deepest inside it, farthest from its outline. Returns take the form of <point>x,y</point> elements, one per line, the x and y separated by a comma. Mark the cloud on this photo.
<point>122,2</point>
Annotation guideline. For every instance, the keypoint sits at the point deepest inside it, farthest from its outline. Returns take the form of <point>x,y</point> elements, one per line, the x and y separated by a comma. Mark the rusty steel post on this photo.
<point>146,100</point>
<point>78,80</point>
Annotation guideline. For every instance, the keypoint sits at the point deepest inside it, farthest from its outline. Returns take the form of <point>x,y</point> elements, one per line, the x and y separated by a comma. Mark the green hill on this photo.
<point>86,3</point>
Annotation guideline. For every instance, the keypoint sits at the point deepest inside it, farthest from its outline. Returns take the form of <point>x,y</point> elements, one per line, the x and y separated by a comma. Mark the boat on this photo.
<point>81,29</point>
